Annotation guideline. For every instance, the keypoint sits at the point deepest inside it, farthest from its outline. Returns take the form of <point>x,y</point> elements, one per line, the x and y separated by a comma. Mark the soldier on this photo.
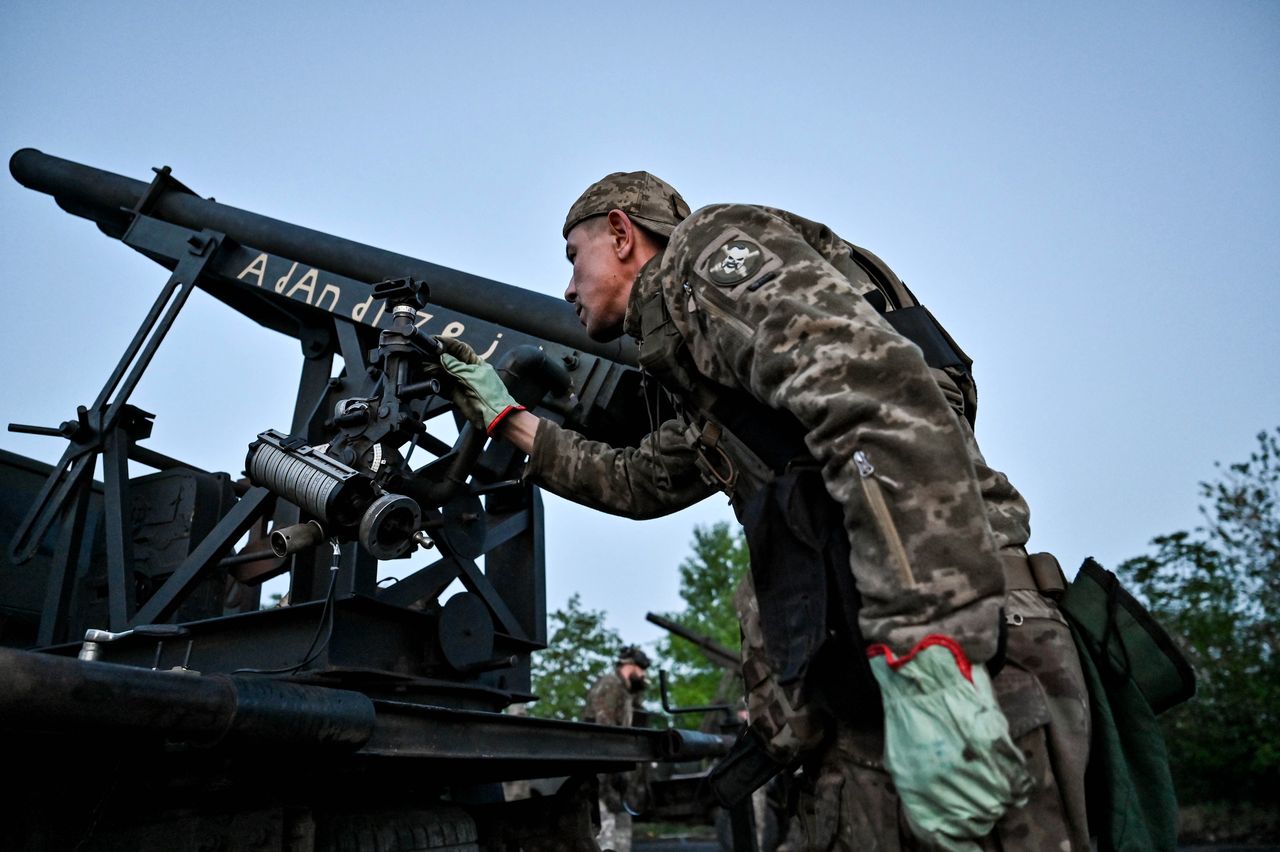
<point>889,578</point>
<point>612,700</point>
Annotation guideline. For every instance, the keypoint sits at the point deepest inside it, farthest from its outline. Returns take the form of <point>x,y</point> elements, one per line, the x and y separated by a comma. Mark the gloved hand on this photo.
<point>477,390</point>
<point>947,743</point>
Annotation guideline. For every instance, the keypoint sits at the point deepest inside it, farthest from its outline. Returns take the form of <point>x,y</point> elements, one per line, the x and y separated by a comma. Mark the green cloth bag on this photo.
<point>947,747</point>
<point>1131,667</point>
<point>1126,640</point>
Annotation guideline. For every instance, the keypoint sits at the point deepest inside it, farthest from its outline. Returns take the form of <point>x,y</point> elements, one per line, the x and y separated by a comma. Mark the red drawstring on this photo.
<point>895,663</point>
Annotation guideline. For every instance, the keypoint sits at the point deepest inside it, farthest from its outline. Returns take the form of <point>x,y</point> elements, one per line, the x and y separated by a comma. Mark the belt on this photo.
<point>1038,571</point>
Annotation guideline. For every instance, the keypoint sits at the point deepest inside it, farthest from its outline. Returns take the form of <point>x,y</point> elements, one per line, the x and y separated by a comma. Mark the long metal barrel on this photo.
<point>716,653</point>
<point>107,198</point>
<point>43,692</point>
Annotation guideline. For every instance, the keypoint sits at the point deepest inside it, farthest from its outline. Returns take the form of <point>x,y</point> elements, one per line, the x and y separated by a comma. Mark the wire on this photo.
<point>324,629</point>
<point>413,445</point>
<point>654,414</point>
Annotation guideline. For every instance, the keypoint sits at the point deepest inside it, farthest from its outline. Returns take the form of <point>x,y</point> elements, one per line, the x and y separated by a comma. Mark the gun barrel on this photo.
<point>717,653</point>
<point>110,200</point>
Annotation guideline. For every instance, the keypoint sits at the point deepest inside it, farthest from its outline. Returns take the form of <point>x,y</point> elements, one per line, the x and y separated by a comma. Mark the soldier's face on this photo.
<point>601,281</point>
<point>634,677</point>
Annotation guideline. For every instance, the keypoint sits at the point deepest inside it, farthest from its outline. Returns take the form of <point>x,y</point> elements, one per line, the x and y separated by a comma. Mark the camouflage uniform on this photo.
<point>774,306</point>
<point>610,703</point>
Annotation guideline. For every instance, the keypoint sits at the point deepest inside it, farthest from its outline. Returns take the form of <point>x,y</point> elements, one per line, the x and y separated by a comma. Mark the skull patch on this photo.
<point>734,262</point>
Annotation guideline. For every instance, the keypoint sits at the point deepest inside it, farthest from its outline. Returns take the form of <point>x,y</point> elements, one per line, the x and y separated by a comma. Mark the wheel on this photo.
<point>444,829</point>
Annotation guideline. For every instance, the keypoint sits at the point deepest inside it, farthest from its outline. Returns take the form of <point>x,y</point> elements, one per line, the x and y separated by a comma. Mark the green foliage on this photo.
<point>580,648</point>
<point>1218,590</point>
<point>708,579</point>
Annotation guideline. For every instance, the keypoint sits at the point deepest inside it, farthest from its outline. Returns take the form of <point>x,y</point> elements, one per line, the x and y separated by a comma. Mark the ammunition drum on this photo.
<point>322,486</point>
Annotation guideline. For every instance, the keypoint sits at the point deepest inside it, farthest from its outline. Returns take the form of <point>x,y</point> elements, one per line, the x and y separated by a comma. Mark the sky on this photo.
<point>1086,194</point>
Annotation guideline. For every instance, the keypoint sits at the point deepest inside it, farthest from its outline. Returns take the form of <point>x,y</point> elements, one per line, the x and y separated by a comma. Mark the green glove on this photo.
<point>947,743</point>
<point>477,390</point>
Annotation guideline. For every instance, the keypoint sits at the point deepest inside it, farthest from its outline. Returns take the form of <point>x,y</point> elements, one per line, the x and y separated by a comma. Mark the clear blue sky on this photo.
<point>1086,194</point>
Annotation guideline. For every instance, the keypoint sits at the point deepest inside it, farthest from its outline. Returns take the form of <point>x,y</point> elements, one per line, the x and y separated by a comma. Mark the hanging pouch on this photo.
<point>786,530</point>
<point>1125,640</point>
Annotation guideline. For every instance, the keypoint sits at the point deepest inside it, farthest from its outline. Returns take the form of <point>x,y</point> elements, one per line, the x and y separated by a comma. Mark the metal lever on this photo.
<point>93,638</point>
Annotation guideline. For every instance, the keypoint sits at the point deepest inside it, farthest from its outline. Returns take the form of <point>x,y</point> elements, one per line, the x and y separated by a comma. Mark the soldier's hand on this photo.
<point>459,349</point>
<point>476,389</point>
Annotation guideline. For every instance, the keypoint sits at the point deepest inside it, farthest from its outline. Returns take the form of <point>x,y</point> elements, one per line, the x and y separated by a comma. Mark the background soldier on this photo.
<point>613,699</point>
<point>837,414</point>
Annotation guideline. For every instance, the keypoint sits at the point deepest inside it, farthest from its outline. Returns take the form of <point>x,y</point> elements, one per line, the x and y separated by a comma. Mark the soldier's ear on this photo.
<point>622,233</point>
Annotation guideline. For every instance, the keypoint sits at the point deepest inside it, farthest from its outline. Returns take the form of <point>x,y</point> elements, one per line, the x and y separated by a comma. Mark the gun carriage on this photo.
<point>148,701</point>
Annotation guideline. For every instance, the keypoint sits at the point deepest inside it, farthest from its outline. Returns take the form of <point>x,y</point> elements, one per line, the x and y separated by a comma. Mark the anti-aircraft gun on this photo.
<point>148,703</point>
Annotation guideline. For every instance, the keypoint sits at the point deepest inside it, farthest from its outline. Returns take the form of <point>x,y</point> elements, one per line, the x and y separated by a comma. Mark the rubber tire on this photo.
<point>444,829</point>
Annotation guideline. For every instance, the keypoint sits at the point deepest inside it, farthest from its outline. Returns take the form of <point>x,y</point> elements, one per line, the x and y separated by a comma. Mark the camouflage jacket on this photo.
<point>773,305</point>
<point>609,702</point>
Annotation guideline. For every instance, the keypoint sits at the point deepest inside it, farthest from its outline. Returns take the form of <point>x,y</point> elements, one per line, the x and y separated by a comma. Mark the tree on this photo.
<point>579,650</point>
<point>1218,589</point>
<point>708,579</point>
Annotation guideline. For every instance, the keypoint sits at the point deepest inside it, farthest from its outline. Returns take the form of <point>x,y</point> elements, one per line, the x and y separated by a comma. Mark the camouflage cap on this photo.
<point>649,200</point>
<point>634,655</point>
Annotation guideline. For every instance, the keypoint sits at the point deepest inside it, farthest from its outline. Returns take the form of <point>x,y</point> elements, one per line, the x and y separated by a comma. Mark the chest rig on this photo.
<point>795,530</point>
<point>741,443</point>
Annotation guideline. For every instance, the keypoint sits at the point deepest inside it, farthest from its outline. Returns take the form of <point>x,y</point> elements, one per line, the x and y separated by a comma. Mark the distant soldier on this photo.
<point>613,700</point>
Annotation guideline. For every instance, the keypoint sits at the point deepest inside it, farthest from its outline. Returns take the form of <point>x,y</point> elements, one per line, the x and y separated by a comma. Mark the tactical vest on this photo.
<point>795,531</point>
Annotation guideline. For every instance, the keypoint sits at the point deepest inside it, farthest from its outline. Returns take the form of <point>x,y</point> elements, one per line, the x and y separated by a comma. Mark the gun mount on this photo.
<point>132,645</point>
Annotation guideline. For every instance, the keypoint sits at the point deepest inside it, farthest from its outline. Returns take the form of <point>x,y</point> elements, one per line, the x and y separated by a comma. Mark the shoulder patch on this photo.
<point>734,259</point>
<point>735,262</point>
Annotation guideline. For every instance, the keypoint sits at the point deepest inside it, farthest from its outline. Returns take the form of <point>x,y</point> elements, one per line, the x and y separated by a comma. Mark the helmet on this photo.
<point>634,655</point>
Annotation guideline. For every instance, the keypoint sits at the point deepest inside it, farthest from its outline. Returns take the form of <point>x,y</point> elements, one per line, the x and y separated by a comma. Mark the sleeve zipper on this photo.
<point>874,492</point>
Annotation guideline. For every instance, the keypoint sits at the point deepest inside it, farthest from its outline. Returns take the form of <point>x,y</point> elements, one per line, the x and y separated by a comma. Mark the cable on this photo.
<point>654,414</point>
<point>324,629</point>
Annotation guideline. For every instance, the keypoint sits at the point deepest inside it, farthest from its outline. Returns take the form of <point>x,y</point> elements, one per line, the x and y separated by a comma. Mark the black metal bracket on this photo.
<point>163,182</point>
<point>108,428</point>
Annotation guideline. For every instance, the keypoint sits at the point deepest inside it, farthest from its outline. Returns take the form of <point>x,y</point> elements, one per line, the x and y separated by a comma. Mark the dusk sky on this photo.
<point>1086,194</point>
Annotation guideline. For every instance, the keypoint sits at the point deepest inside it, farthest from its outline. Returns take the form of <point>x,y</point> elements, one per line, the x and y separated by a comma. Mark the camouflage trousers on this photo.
<point>848,801</point>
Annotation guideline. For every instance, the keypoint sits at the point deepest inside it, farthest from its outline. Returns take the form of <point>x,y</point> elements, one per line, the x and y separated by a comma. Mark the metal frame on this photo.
<point>353,693</point>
